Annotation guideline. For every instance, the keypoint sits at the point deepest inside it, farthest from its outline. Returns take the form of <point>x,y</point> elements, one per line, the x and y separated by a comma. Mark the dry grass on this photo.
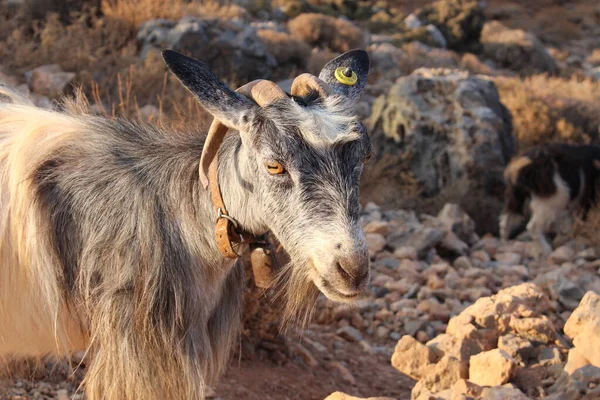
<point>327,32</point>
<point>552,109</point>
<point>136,12</point>
<point>285,48</point>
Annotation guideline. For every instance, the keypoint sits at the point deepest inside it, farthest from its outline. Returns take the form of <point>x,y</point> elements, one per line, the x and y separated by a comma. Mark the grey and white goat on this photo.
<point>108,235</point>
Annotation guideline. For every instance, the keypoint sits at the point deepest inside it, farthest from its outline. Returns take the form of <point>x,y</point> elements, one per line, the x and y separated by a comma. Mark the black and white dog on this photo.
<point>554,178</point>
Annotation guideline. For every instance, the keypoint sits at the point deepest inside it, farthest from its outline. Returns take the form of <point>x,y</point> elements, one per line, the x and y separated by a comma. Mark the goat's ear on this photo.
<point>229,107</point>
<point>354,63</point>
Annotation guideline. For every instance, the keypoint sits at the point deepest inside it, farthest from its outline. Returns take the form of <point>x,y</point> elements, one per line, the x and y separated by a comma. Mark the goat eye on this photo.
<point>367,157</point>
<point>275,168</point>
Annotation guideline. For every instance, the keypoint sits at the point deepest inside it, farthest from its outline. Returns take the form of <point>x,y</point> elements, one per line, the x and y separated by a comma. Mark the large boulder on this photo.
<point>460,21</point>
<point>220,43</point>
<point>447,131</point>
<point>516,49</point>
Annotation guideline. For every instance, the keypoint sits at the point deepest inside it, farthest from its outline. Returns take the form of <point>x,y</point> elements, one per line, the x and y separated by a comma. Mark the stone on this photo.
<point>412,21</point>
<point>448,129</point>
<point>422,239</point>
<point>561,255</point>
<point>344,372</point>
<point>308,358</point>
<point>406,252</point>
<point>49,80</point>
<point>491,368</point>
<point>62,394</point>
<point>465,388</point>
<point>503,393</point>
<point>508,258</point>
<point>412,358</point>
<point>219,42</point>
<point>535,329</point>
<point>350,334</point>
<point>516,49</point>
<point>441,376</point>
<point>375,242</point>
<point>575,360</point>
<point>582,384</point>
<point>344,396</point>
<point>459,21</point>
<point>459,348</point>
<point>380,227</point>
<point>550,356</point>
<point>583,326</point>
<point>518,347</point>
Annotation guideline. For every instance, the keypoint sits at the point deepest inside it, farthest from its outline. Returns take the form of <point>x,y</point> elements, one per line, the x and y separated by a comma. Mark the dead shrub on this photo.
<point>285,48</point>
<point>136,12</point>
<point>318,59</point>
<point>552,109</point>
<point>327,32</point>
<point>594,58</point>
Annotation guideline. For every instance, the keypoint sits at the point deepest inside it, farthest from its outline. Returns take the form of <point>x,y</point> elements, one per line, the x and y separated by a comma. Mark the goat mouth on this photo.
<point>330,288</point>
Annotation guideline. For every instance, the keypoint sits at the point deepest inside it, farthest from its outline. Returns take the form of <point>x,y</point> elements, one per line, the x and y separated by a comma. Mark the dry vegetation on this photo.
<point>552,108</point>
<point>324,31</point>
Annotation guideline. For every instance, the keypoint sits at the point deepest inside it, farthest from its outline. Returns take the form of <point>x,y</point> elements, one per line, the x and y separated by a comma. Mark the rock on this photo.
<point>583,326</point>
<point>458,221</point>
<point>385,60</point>
<point>550,356</point>
<point>460,21</point>
<point>508,258</point>
<point>561,255</point>
<point>412,21</point>
<point>345,373</point>
<point>518,347</point>
<point>536,329</point>
<point>306,355</point>
<point>465,388</point>
<point>412,358</point>
<point>575,360</point>
<point>407,252</point>
<point>375,242</point>
<point>583,384</point>
<point>62,394</point>
<point>220,43</point>
<point>449,130</point>
<point>50,80</point>
<point>503,393</point>
<point>491,368</point>
<point>516,49</point>
<point>344,396</point>
<point>441,376</point>
<point>438,37</point>
<point>350,334</point>
<point>420,238</point>
<point>448,345</point>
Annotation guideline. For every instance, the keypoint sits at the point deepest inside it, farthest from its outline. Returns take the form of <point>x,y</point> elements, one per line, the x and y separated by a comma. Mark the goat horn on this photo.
<point>263,92</point>
<point>305,83</point>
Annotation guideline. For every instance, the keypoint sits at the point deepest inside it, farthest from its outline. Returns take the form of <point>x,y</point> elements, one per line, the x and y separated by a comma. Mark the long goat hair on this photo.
<point>120,201</point>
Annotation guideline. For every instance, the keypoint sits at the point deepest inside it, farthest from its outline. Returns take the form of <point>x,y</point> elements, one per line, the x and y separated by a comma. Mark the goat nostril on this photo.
<point>343,272</point>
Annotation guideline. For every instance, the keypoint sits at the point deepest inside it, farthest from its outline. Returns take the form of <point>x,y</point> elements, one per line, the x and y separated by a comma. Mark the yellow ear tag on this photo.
<point>346,76</point>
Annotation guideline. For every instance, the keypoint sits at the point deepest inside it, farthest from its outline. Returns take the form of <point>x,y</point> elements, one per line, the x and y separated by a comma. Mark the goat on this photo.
<point>554,178</point>
<point>108,229</point>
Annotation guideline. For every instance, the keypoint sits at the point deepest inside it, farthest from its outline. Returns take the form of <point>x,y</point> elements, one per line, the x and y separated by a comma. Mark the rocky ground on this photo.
<point>449,314</point>
<point>456,88</point>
